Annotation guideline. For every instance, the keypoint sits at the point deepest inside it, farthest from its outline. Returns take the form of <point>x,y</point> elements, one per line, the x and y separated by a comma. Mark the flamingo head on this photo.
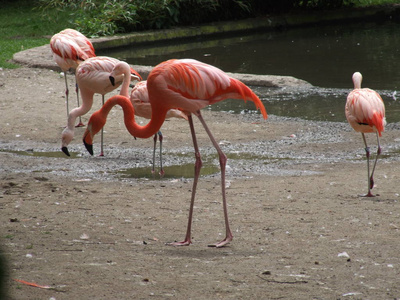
<point>135,76</point>
<point>96,122</point>
<point>66,138</point>
<point>123,68</point>
<point>357,79</point>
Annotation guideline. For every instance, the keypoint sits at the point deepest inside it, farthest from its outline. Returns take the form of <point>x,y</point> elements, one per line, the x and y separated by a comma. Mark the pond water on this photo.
<point>325,56</point>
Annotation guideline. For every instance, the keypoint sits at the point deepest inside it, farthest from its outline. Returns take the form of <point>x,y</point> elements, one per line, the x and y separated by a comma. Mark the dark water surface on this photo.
<point>325,56</point>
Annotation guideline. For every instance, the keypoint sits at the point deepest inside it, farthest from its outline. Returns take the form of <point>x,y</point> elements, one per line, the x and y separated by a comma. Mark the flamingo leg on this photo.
<point>378,152</point>
<point>197,166</point>
<point>154,154</point>
<point>160,137</point>
<point>80,124</point>
<point>367,154</point>
<point>102,133</point>
<point>66,91</point>
<point>222,163</point>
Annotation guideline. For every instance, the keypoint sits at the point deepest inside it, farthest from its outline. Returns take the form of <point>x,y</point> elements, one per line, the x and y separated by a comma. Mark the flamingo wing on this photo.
<point>140,101</point>
<point>192,85</point>
<point>365,111</point>
<point>67,47</point>
<point>83,42</point>
<point>140,92</point>
<point>93,74</point>
<point>66,52</point>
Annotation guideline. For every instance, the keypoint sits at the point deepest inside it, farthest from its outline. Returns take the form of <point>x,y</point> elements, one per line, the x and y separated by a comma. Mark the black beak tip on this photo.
<point>89,147</point>
<point>65,150</point>
<point>112,80</point>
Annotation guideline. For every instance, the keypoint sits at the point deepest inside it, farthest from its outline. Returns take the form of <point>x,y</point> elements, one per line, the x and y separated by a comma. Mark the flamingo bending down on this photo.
<point>140,100</point>
<point>92,76</point>
<point>141,105</point>
<point>365,112</point>
<point>70,48</point>
<point>188,85</point>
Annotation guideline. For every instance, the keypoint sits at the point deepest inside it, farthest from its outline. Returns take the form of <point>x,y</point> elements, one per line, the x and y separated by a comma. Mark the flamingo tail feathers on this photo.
<point>378,122</point>
<point>247,94</point>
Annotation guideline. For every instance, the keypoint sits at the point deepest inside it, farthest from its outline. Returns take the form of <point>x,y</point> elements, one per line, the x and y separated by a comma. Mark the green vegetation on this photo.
<point>23,27</point>
<point>30,23</point>
<point>98,18</point>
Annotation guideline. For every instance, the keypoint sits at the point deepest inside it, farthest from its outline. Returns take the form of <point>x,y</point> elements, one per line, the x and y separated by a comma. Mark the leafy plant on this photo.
<point>97,18</point>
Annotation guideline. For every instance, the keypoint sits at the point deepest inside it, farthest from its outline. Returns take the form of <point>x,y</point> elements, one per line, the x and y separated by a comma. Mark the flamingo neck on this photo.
<point>86,105</point>
<point>125,84</point>
<point>136,130</point>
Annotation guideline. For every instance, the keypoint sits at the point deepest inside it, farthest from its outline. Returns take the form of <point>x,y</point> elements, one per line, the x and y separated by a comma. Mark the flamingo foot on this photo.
<point>369,194</point>
<point>222,243</point>
<point>65,150</point>
<point>371,186</point>
<point>80,124</point>
<point>162,172</point>
<point>101,154</point>
<point>183,243</point>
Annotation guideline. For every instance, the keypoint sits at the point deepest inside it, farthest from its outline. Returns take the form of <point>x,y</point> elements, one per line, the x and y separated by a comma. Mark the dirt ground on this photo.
<point>80,227</point>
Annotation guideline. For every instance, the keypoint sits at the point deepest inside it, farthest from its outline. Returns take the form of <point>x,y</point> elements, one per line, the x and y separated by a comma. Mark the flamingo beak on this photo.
<point>65,150</point>
<point>89,147</point>
<point>135,78</point>
<point>112,80</point>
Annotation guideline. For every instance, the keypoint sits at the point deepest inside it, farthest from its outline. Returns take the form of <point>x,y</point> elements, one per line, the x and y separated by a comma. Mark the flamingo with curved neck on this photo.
<point>139,97</point>
<point>92,76</point>
<point>188,85</point>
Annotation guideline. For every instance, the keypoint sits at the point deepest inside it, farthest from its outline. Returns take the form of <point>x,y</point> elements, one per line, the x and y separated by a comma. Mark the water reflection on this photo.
<point>317,104</point>
<point>325,56</point>
<point>171,172</point>
<point>54,154</point>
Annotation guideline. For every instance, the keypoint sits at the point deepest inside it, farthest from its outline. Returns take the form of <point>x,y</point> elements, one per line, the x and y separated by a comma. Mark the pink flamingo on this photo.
<point>188,85</point>
<point>365,112</point>
<point>70,48</point>
<point>140,100</point>
<point>92,77</point>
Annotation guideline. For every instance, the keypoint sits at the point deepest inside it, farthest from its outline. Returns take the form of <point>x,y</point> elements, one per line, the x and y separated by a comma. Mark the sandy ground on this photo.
<point>80,227</point>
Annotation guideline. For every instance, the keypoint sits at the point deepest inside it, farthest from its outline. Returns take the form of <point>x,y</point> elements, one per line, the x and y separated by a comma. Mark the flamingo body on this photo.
<point>187,85</point>
<point>139,94</point>
<point>92,76</point>
<point>365,112</point>
<point>192,85</point>
<point>70,48</point>
<point>141,103</point>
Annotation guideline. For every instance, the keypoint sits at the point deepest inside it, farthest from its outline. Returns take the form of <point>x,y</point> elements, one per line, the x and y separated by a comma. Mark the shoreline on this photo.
<point>41,57</point>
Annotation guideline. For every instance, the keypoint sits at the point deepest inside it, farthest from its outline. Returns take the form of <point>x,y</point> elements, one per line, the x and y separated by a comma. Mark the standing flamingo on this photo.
<point>92,76</point>
<point>140,100</point>
<point>188,85</point>
<point>365,112</point>
<point>70,48</point>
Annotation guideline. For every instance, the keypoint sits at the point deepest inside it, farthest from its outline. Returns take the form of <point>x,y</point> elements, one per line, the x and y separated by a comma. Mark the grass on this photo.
<point>22,27</point>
